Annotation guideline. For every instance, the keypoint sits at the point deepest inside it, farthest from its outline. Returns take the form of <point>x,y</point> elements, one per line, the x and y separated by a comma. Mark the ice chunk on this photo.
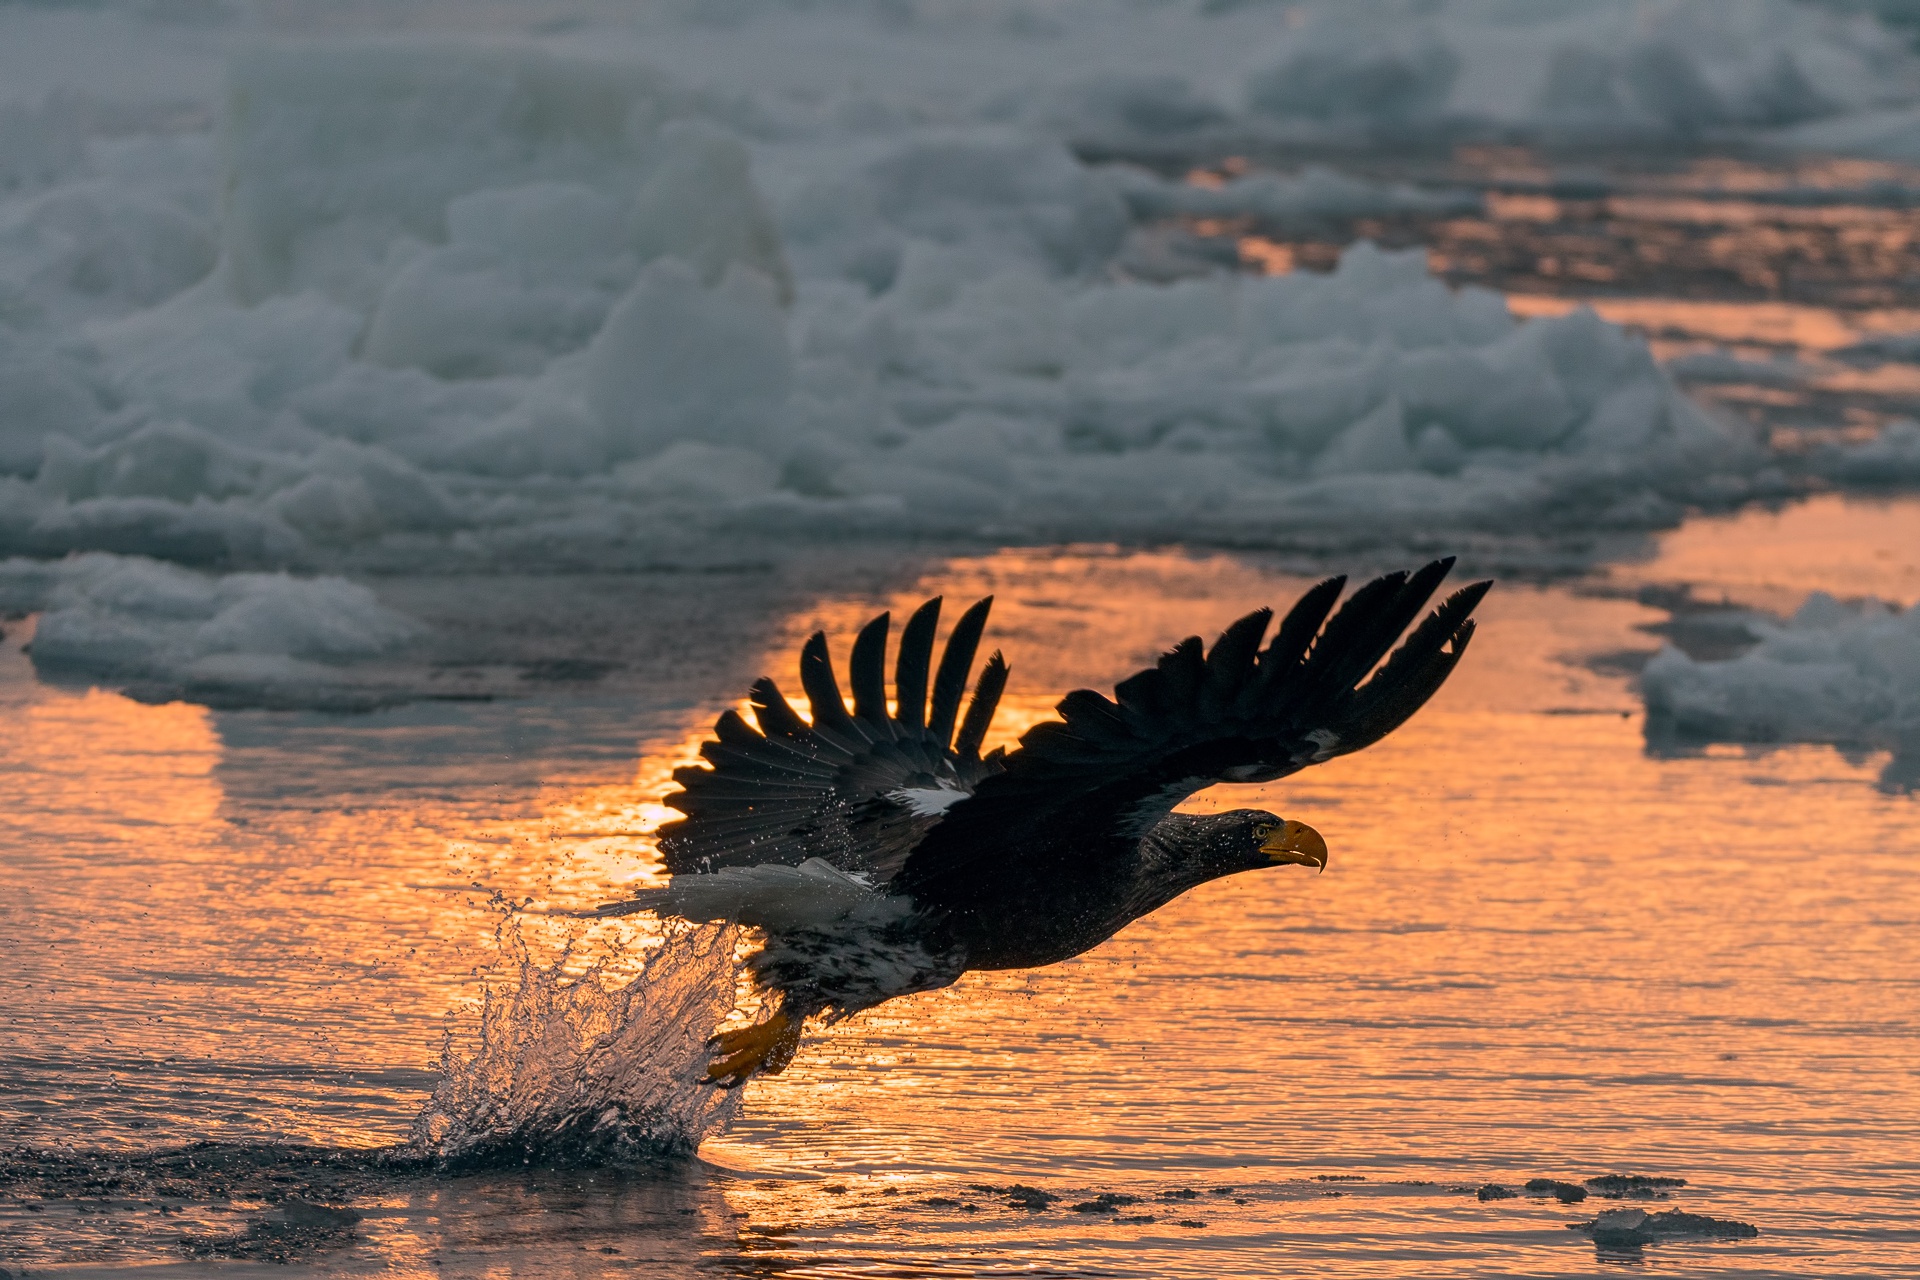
<point>1358,79</point>
<point>41,142</point>
<point>96,248</point>
<point>43,392</point>
<point>552,223</point>
<point>352,493</point>
<point>1891,133</point>
<point>221,367</point>
<point>1632,1228</point>
<point>161,460</point>
<point>1666,84</point>
<point>203,532</point>
<point>679,360</point>
<point>702,474</point>
<point>1891,457</point>
<point>478,302</point>
<point>1377,443</point>
<point>334,151</point>
<point>1844,674</point>
<point>337,153</point>
<point>121,618</point>
<point>1121,104</point>
<point>987,196</point>
<point>699,204</point>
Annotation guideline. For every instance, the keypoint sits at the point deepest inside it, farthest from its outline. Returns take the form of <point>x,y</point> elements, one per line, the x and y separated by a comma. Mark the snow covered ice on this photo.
<point>1833,672</point>
<point>258,635</point>
<point>447,275</point>
<point>610,293</point>
<point>1891,457</point>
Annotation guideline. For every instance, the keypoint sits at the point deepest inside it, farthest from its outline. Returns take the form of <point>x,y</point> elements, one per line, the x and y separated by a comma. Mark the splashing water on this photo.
<point>585,1068</point>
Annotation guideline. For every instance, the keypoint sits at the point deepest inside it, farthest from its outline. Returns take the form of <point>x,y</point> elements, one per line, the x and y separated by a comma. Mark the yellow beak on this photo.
<point>1298,844</point>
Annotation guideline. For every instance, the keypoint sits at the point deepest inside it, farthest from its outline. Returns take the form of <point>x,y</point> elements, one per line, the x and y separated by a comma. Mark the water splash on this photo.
<point>587,1068</point>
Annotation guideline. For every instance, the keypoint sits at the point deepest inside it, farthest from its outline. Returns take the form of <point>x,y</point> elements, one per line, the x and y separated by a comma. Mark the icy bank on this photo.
<point>1892,133</point>
<point>1848,675</point>
<point>260,636</point>
<point>1150,78</point>
<point>479,305</point>
<point>415,303</point>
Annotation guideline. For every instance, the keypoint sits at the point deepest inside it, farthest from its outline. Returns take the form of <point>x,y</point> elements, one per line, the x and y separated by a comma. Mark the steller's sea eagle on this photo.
<point>880,853</point>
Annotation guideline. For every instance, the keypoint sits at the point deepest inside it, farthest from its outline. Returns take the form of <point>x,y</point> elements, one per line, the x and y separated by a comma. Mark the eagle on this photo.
<point>880,853</point>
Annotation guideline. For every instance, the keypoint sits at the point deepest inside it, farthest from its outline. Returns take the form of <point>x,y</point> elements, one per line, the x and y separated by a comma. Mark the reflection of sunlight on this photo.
<point>1845,545</point>
<point>103,755</point>
<point>1784,324</point>
<point>1268,257</point>
<point>1499,864</point>
<point>1533,939</point>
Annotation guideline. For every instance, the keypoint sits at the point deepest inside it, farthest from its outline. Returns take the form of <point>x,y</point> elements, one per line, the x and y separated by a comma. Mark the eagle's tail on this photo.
<point>768,896</point>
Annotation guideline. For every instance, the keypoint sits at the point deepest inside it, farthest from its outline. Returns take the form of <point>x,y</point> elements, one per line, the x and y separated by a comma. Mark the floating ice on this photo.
<point>1372,70</point>
<point>1892,133</point>
<point>416,303</point>
<point>127,618</point>
<point>1836,673</point>
<point>1891,457</point>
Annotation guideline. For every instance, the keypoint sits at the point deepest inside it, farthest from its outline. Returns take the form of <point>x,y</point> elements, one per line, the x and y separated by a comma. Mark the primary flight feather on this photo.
<point>881,853</point>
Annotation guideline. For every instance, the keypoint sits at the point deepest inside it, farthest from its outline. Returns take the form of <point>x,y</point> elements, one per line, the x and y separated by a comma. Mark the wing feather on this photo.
<point>980,709</point>
<point>1291,643</point>
<point>956,663</point>
<point>823,690</point>
<point>911,666</point>
<point>867,672</point>
<point>840,787</point>
<point>1087,784</point>
<point>1230,664</point>
<point>771,711</point>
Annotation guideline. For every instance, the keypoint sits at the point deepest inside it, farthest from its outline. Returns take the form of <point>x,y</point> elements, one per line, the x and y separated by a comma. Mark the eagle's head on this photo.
<point>1260,839</point>
<point>1188,849</point>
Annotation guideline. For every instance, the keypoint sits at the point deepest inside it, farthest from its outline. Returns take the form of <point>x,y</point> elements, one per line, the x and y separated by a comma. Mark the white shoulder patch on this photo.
<point>926,802</point>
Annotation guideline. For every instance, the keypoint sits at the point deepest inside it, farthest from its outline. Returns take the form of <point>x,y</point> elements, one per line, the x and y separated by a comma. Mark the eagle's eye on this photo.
<point>1262,830</point>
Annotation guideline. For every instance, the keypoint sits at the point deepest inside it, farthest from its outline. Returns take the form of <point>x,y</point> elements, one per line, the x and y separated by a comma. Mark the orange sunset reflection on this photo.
<point>1524,915</point>
<point>1537,950</point>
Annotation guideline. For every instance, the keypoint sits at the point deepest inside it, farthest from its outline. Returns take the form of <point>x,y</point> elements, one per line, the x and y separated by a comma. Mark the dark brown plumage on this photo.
<point>930,858</point>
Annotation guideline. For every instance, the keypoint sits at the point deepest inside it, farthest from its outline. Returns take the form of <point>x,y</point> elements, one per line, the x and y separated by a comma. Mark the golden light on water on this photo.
<point>100,757</point>
<point>1538,949</point>
<point>1784,324</point>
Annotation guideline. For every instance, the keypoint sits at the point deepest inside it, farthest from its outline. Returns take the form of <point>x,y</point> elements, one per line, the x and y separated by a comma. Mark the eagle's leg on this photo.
<point>763,1047</point>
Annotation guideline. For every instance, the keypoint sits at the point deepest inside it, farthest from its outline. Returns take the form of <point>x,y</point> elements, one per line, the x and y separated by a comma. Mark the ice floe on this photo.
<point>551,308</point>
<point>1847,674</point>
<point>822,270</point>
<point>256,636</point>
<point>1890,457</point>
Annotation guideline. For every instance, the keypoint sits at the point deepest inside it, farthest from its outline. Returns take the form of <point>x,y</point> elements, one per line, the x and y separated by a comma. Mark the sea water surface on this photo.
<point>236,939</point>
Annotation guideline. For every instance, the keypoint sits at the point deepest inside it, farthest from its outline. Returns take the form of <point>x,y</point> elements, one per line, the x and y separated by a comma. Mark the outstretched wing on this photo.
<point>1086,786</point>
<point>859,789</point>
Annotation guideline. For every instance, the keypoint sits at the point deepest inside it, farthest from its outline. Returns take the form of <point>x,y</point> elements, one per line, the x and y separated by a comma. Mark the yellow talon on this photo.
<point>766,1046</point>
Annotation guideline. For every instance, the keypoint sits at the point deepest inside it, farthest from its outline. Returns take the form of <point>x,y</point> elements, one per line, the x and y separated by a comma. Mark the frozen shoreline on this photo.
<point>413,305</point>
